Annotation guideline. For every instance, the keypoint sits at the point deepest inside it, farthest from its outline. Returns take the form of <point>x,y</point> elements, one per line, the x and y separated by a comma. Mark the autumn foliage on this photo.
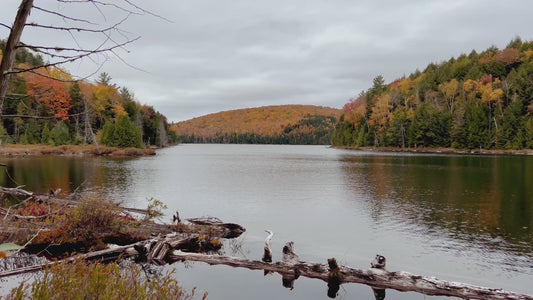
<point>46,106</point>
<point>45,90</point>
<point>286,124</point>
<point>475,101</point>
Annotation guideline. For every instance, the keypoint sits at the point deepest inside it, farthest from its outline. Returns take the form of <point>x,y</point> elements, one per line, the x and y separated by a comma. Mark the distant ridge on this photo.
<point>279,124</point>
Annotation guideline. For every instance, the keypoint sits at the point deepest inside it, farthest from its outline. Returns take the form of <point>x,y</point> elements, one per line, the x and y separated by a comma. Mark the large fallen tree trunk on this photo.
<point>378,278</point>
<point>166,249</point>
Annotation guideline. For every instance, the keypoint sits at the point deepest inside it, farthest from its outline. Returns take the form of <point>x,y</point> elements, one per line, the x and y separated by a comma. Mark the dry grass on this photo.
<point>79,280</point>
<point>71,150</point>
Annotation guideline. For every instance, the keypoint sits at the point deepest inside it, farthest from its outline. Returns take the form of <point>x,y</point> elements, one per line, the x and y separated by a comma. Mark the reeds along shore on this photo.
<point>24,150</point>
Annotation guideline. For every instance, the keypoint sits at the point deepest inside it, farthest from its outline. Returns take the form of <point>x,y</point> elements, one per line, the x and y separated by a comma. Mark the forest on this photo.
<point>47,106</point>
<point>284,124</point>
<point>475,101</point>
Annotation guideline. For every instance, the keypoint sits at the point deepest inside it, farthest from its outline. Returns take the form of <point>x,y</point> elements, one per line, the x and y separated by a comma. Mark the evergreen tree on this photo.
<point>60,134</point>
<point>511,122</point>
<point>475,127</point>
<point>45,135</point>
<point>107,133</point>
<point>122,133</point>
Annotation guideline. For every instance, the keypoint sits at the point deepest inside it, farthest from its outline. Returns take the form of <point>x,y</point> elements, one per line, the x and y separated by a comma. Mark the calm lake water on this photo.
<point>459,218</point>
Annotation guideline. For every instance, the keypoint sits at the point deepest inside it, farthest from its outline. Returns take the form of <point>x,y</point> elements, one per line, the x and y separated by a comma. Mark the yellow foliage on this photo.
<point>470,85</point>
<point>449,89</point>
<point>496,95</point>
<point>527,54</point>
<point>60,74</point>
<point>268,120</point>
<point>118,110</point>
<point>381,113</point>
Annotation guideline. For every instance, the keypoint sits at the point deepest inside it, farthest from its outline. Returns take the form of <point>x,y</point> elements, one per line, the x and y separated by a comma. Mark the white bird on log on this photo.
<point>267,256</point>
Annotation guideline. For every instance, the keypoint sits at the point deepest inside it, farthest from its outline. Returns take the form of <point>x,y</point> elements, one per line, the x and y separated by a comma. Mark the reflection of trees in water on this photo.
<point>476,199</point>
<point>87,174</point>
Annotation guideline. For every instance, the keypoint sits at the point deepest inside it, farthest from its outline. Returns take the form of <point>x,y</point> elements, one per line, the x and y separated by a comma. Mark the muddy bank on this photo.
<point>72,150</point>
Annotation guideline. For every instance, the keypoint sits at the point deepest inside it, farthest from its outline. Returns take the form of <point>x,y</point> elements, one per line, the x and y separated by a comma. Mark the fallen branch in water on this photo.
<point>377,278</point>
<point>167,249</point>
<point>133,250</point>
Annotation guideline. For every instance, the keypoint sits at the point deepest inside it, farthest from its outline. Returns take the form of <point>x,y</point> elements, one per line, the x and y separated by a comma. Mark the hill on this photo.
<point>475,101</point>
<point>285,124</point>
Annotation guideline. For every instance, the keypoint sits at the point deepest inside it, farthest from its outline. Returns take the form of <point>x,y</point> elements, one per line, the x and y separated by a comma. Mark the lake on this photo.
<point>457,217</point>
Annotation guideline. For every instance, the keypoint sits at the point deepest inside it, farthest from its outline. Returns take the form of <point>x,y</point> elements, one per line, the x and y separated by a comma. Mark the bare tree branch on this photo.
<point>80,29</point>
<point>147,12</point>
<point>4,25</point>
<point>73,58</point>
<point>63,16</point>
<point>113,37</point>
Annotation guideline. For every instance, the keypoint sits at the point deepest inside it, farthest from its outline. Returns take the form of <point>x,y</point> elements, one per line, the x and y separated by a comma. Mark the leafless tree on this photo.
<point>107,40</point>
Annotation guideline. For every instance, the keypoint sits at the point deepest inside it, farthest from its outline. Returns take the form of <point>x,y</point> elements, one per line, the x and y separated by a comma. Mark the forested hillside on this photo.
<point>287,124</point>
<point>46,106</point>
<point>480,100</point>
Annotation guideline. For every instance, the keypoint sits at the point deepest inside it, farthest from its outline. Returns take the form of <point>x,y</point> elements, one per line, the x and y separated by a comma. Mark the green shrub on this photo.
<point>122,133</point>
<point>60,134</point>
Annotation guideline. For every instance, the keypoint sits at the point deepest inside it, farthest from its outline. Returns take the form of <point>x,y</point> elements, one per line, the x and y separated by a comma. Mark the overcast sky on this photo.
<point>218,55</point>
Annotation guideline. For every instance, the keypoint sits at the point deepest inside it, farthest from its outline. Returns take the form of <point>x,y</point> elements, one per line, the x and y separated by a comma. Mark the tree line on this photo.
<point>46,106</point>
<point>310,130</point>
<point>475,101</point>
<point>278,124</point>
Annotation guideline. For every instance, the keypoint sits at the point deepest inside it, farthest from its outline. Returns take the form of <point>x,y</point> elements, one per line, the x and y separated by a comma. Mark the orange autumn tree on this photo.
<point>47,90</point>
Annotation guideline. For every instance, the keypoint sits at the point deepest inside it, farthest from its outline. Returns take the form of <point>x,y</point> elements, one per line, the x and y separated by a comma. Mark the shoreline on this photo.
<point>11,150</point>
<point>439,150</point>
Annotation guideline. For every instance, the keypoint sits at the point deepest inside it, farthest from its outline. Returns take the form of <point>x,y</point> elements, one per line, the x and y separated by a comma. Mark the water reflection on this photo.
<point>42,174</point>
<point>481,201</point>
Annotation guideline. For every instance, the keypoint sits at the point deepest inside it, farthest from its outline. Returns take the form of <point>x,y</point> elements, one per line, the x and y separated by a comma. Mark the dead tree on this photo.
<point>163,249</point>
<point>377,278</point>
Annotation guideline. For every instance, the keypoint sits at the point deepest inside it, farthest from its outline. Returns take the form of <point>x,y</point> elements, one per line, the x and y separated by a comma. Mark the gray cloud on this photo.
<point>222,55</point>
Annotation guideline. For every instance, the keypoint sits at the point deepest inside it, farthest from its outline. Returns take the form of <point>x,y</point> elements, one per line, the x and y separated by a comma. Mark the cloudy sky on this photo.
<point>216,55</point>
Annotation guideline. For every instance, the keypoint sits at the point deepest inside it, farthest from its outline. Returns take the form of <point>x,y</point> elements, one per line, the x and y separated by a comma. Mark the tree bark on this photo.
<point>162,249</point>
<point>376,278</point>
<point>13,40</point>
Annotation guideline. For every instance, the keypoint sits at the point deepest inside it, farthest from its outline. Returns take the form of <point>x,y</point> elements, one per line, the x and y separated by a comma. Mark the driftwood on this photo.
<point>168,249</point>
<point>378,279</point>
<point>153,251</point>
<point>227,230</point>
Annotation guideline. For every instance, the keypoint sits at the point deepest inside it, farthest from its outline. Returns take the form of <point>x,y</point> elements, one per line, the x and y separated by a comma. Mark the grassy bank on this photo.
<point>440,150</point>
<point>23,150</point>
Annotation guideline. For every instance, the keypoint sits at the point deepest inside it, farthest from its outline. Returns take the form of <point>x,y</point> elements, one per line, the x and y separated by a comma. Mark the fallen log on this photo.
<point>137,250</point>
<point>227,230</point>
<point>376,278</point>
<point>166,249</point>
